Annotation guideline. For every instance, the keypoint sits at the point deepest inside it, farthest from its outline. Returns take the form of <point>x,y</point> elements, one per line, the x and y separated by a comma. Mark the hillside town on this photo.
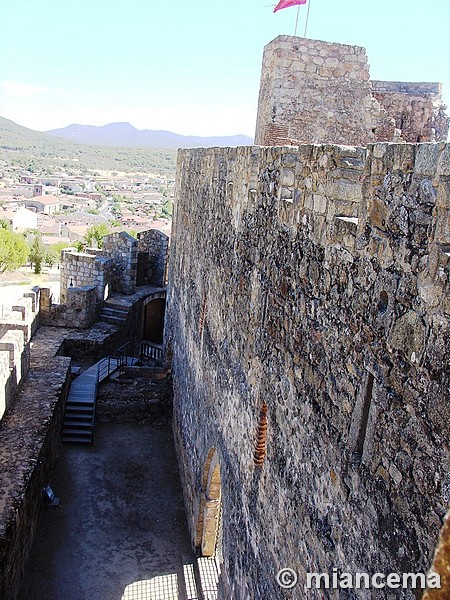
<point>63,205</point>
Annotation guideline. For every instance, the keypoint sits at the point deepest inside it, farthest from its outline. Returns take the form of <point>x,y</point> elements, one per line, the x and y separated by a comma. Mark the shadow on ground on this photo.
<point>121,517</point>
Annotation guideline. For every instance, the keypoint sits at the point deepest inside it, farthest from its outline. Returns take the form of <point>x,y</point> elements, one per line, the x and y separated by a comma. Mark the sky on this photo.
<point>191,67</point>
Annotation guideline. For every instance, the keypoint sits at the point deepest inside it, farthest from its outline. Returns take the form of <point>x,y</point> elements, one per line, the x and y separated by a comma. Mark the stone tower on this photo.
<point>319,92</point>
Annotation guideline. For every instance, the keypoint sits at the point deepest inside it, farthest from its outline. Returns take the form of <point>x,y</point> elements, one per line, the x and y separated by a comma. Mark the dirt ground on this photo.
<point>13,285</point>
<point>138,401</point>
<point>121,518</point>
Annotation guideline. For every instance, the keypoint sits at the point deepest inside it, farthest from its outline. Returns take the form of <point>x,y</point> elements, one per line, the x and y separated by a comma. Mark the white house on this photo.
<point>24,219</point>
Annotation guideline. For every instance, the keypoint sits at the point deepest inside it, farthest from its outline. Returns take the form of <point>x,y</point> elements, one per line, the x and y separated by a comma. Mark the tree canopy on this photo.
<point>97,233</point>
<point>13,250</point>
<point>37,253</point>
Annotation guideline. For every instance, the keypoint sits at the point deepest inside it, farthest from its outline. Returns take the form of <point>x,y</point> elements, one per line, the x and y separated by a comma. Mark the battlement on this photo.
<point>17,326</point>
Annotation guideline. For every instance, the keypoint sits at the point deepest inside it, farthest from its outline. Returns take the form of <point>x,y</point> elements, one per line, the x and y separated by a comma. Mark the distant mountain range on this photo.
<point>34,149</point>
<point>126,136</point>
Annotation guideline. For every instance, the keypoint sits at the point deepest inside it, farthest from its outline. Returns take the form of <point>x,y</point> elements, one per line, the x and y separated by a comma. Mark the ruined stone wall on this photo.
<point>416,107</point>
<point>314,281</point>
<point>122,249</point>
<point>317,92</point>
<point>80,310</point>
<point>114,267</point>
<point>153,247</point>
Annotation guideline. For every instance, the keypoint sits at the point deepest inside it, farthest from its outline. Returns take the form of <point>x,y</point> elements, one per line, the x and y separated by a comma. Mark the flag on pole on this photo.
<point>287,4</point>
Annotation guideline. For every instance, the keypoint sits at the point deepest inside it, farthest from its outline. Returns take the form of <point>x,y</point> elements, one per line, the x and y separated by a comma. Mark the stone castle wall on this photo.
<point>30,438</point>
<point>153,248</point>
<point>320,92</point>
<point>314,281</point>
<point>33,389</point>
<point>416,107</point>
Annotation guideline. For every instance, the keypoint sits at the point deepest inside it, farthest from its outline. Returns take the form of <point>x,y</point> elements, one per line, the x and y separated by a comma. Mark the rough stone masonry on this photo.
<point>314,280</point>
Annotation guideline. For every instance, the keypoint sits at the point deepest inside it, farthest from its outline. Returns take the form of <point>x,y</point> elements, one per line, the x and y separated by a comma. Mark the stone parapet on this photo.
<point>79,311</point>
<point>80,269</point>
<point>17,325</point>
<point>407,87</point>
<point>15,368</point>
<point>29,442</point>
<point>153,249</point>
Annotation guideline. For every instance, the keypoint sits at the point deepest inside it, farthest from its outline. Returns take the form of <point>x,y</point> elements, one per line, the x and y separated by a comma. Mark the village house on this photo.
<point>73,233</point>
<point>48,205</point>
<point>24,219</point>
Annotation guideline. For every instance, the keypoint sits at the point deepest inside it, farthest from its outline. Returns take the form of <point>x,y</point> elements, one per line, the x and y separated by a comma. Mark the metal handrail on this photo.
<point>149,350</point>
<point>110,364</point>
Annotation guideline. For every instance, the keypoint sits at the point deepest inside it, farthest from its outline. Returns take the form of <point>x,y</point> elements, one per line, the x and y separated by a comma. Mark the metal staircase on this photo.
<point>79,417</point>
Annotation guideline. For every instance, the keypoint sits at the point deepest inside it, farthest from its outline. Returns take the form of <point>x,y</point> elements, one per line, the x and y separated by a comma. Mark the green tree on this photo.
<point>80,246</point>
<point>37,253</point>
<point>51,257</point>
<point>4,224</point>
<point>167,209</point>
<point>97,233</point>
<point>13,250</point>
<point>60,246</point>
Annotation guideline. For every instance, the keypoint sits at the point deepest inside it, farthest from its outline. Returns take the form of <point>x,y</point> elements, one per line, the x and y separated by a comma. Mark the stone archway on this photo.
<point>210,506</point>
<point>153,315</point>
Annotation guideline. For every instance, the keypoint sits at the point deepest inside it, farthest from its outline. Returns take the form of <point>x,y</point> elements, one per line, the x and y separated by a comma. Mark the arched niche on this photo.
<point>210,506</point>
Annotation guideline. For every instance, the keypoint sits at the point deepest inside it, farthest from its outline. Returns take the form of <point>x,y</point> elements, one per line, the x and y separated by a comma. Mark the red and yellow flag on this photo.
<point>287,4</point>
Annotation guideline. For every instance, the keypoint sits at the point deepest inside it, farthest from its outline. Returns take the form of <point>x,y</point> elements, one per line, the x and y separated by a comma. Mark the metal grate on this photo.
<point>164,587</point>
<point>209,577</point>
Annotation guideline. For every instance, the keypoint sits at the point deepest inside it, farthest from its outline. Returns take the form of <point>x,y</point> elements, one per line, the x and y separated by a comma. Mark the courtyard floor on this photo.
<point>120,529</point>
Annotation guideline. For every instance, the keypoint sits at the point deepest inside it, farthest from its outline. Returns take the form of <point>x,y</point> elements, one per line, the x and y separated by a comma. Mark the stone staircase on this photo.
<point>79,418</point>
<point>113,315</point>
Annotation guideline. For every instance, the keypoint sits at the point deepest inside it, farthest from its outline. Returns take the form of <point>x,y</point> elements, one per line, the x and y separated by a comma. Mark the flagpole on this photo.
<point>296,20</point>
<point>307,17</point>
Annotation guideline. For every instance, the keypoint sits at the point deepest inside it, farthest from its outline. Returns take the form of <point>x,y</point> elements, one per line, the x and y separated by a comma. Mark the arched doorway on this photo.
<point>153,329</point>
<point>209,519</point>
